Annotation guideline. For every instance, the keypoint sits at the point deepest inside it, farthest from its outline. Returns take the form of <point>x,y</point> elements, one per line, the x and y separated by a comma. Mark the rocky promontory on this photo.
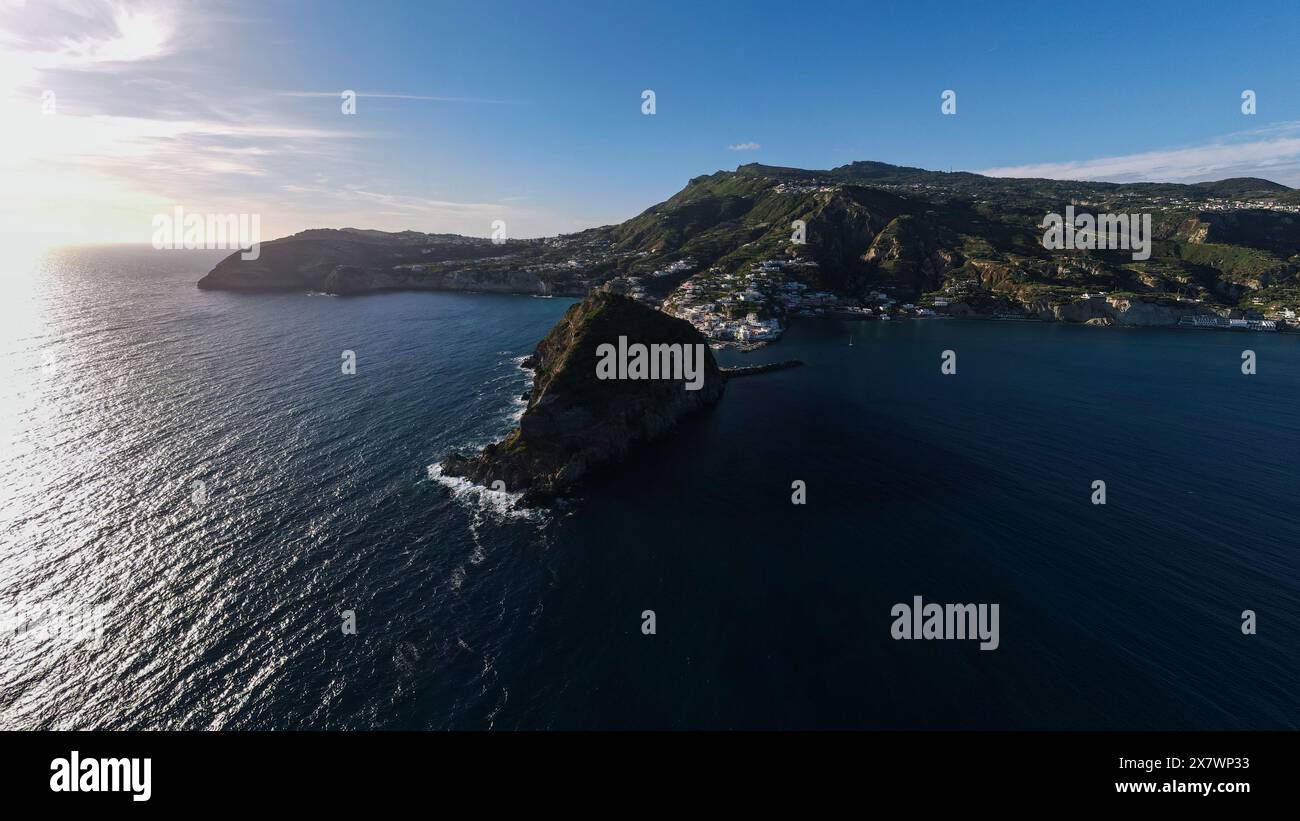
<point>352,261</point>
<point>577,421</point>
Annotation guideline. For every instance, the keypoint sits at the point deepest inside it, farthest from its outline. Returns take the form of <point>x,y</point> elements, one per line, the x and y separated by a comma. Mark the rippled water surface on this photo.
<point>221,602</point>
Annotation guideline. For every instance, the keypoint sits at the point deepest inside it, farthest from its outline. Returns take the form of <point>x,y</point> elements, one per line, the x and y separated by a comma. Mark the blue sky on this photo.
<point>531,112</point>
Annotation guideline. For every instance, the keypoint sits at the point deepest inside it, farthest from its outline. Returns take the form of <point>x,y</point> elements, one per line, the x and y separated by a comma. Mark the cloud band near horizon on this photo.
<point>1272,151</point>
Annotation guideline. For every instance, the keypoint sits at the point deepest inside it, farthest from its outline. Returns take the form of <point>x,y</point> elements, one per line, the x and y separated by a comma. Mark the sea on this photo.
<point>207,523</point>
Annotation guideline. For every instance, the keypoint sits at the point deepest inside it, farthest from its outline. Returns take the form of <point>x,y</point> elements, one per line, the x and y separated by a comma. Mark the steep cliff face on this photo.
<point>576,421</point>
<point>1278,231</point>
<point>1095,311</point>
<point>1123,311</point>
<point>913,254</point>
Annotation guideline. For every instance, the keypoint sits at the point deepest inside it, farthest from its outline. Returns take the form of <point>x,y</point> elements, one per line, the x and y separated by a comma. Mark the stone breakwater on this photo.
<point>754,370</point>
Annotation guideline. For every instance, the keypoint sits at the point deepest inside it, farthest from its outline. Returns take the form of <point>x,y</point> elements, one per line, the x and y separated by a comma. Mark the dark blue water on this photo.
<point>129,385</point>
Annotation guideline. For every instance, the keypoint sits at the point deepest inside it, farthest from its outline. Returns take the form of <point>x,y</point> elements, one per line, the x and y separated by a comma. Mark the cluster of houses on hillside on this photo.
<point>748,307</point>
<point>1238,205</point>
<point>720,327</point>
<point>681,266</point>
<point>792,188</point>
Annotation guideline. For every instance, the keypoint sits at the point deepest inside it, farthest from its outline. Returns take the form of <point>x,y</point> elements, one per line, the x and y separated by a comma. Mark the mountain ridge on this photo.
<point>723,251</point>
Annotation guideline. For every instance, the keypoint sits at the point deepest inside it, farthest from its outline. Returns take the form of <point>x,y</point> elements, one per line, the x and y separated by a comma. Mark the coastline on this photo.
<point>752,347</point>
<point>1061,313</point>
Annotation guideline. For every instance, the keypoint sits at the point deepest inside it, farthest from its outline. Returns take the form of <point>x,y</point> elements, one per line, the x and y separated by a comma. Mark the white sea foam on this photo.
<point>498,504</point>
<point>516,411</point>
<point>494,504</point>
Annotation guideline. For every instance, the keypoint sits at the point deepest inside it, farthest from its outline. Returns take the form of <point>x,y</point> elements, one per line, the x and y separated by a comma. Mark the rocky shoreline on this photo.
<point>1121,311</point>
<point>576,422</point>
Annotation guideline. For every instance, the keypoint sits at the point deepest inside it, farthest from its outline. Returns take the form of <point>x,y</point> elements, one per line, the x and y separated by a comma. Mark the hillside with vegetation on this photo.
<point>877,239</point>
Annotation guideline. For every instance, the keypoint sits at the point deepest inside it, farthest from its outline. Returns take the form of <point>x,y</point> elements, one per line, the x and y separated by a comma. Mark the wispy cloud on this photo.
<point>398,203</point>
<point>744,147</point>
<point>1272,151</point>
<point>391,96</point>
<point>80,35</point>
<point>149,113</point>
